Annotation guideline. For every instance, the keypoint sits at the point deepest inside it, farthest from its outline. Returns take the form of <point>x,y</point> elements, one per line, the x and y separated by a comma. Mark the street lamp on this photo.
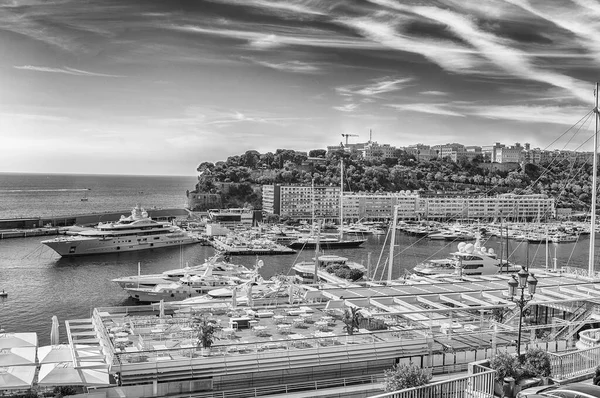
<point>524,281</point>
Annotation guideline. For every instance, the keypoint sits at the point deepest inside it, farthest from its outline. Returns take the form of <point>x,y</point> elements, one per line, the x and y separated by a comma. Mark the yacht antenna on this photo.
<point>594,177</point>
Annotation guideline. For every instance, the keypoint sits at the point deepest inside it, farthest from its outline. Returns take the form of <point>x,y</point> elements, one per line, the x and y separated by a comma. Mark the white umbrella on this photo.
<point>16,377</point>
<point>17,356</point>
<point>62,353</point>
<point>54,331</point>
<point>10,340</point>
<point>64,374</point>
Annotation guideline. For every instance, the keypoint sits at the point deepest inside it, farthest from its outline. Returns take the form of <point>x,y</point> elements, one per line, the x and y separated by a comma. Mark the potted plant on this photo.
<point>505,365</point>
<point>402,376</point>
<point>537,364</point>
<point>351,320</point>
<point>206,330</point>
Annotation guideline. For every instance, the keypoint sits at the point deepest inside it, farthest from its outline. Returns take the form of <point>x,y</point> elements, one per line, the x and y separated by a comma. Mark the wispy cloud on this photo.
<point>379,86</point>
<point>289,66</point>
<point>277,7</point>
<point>346,108</point>
<point>437,109</point>
<point>434,92</point>
<point>65,70</point>
<point>493,48</point>
<point>564,115</point>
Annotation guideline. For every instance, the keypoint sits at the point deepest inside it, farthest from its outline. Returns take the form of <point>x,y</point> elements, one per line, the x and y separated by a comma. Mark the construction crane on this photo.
<point>349,135</point>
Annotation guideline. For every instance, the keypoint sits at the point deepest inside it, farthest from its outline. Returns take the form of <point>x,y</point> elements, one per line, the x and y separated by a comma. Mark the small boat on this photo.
<point>3,294</point>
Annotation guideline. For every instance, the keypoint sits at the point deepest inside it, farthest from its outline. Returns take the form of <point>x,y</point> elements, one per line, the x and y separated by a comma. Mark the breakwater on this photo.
<point>39,226</point>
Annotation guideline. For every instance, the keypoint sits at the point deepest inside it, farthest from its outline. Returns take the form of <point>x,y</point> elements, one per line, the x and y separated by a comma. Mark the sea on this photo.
<point>41,284</point>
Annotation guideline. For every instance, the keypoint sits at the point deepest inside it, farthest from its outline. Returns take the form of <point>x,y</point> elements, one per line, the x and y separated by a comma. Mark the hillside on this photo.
<point>569,183</point>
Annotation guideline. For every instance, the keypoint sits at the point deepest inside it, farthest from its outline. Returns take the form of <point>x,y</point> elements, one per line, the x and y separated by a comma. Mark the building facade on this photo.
<point>297,203</point>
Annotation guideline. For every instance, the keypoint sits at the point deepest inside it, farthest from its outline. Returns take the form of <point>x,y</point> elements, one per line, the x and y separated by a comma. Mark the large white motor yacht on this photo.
<point>470,259</point>
<point>132,233</point>
<point>219,268</point>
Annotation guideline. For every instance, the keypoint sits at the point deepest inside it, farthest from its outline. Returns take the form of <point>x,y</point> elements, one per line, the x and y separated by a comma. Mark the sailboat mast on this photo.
<point>594,177</point>
<point>341,199</point>
<point>392,243</point>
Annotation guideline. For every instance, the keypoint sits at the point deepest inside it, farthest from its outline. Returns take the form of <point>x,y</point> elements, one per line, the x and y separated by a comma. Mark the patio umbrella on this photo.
<point>64,374</point>
<point>10,340</point>
<point>16,377</point>
<point>62,353</point>
<point>17,356</point>
<point>54,331</point>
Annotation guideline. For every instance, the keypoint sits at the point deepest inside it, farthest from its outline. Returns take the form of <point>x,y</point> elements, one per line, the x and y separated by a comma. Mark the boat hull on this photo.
<point>327,245</point>
<point>73,247</point>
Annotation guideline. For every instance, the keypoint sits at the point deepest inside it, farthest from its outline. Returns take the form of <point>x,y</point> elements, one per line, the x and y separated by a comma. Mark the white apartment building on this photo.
<point>297,203</point>
<point>452,151</point>
<point>512,154</point>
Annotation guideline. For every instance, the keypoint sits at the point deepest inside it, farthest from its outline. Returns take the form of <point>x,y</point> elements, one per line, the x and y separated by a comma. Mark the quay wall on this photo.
<point>84,219</point>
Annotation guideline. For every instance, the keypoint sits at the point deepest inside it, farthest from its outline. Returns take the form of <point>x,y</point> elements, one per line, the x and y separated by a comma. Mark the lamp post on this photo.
<point>524,281</point>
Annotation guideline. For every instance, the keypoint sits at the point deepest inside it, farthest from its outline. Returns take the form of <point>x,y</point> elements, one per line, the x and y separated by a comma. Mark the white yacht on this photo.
<point>132,233</point>
<point>188,286</point>
<point>219,268</point>
<point>470,259</point>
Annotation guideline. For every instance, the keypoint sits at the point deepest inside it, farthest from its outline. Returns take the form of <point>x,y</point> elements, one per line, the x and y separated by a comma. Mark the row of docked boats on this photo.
<point>528,232</point>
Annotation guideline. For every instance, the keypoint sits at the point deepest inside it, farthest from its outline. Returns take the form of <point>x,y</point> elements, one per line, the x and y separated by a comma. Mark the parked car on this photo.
<point>575,390</point>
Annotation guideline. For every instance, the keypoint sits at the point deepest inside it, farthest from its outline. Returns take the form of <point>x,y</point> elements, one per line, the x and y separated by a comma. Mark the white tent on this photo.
<point>10,340</point>
<point>17,356</point>
<point>62,353</point>
<point>64,374</point>
<point>16,377</point>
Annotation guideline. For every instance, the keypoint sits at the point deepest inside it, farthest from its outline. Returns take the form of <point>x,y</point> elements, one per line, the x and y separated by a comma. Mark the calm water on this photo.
<point>34,195</point>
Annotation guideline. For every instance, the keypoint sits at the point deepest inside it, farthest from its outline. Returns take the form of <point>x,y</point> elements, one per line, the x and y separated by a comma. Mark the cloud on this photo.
<point>437,109</point>
<point>379,86</point>
<point>277,7</point>
<point>286,36</point>
<point>65,70</point>
<point>447,54</point>
<point>495,49</point>
<point>289,66</point>
<point>434,92</point>
<point>346,108</point>
<point>564,115</point>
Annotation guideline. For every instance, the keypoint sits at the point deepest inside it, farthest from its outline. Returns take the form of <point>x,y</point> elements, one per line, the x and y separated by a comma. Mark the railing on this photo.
<point>573,364</point>
<point>479,385</point>
<point>589,339</point>
<point>285,388</point>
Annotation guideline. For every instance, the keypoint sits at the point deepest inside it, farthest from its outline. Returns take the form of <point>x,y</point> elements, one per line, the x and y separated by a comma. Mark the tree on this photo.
<point>506,365</point>
<point>205,330</point>
<point>403,376</point>
<point>351,320</point>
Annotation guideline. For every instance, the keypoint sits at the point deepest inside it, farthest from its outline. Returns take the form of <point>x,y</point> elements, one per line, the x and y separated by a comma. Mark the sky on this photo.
<point>158,87</point>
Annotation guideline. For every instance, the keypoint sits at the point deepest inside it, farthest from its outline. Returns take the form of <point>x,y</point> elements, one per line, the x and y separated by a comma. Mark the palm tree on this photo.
<point>206,330</point>
<point>351,319</point>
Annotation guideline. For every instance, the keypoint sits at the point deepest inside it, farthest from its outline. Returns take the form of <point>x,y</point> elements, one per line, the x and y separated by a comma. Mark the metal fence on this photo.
<point>575,363</point>
<point>479,385</point>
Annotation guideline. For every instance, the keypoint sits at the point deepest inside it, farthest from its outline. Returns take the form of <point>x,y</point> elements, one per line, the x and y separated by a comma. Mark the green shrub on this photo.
<point>403,376</point>
<point>355,274</point>
<point>537,363</point>
<point>506,365</point>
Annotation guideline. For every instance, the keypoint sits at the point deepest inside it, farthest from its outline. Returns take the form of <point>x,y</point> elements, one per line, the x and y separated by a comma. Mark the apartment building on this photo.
<point>301,202</point>
<point>296,202</point>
